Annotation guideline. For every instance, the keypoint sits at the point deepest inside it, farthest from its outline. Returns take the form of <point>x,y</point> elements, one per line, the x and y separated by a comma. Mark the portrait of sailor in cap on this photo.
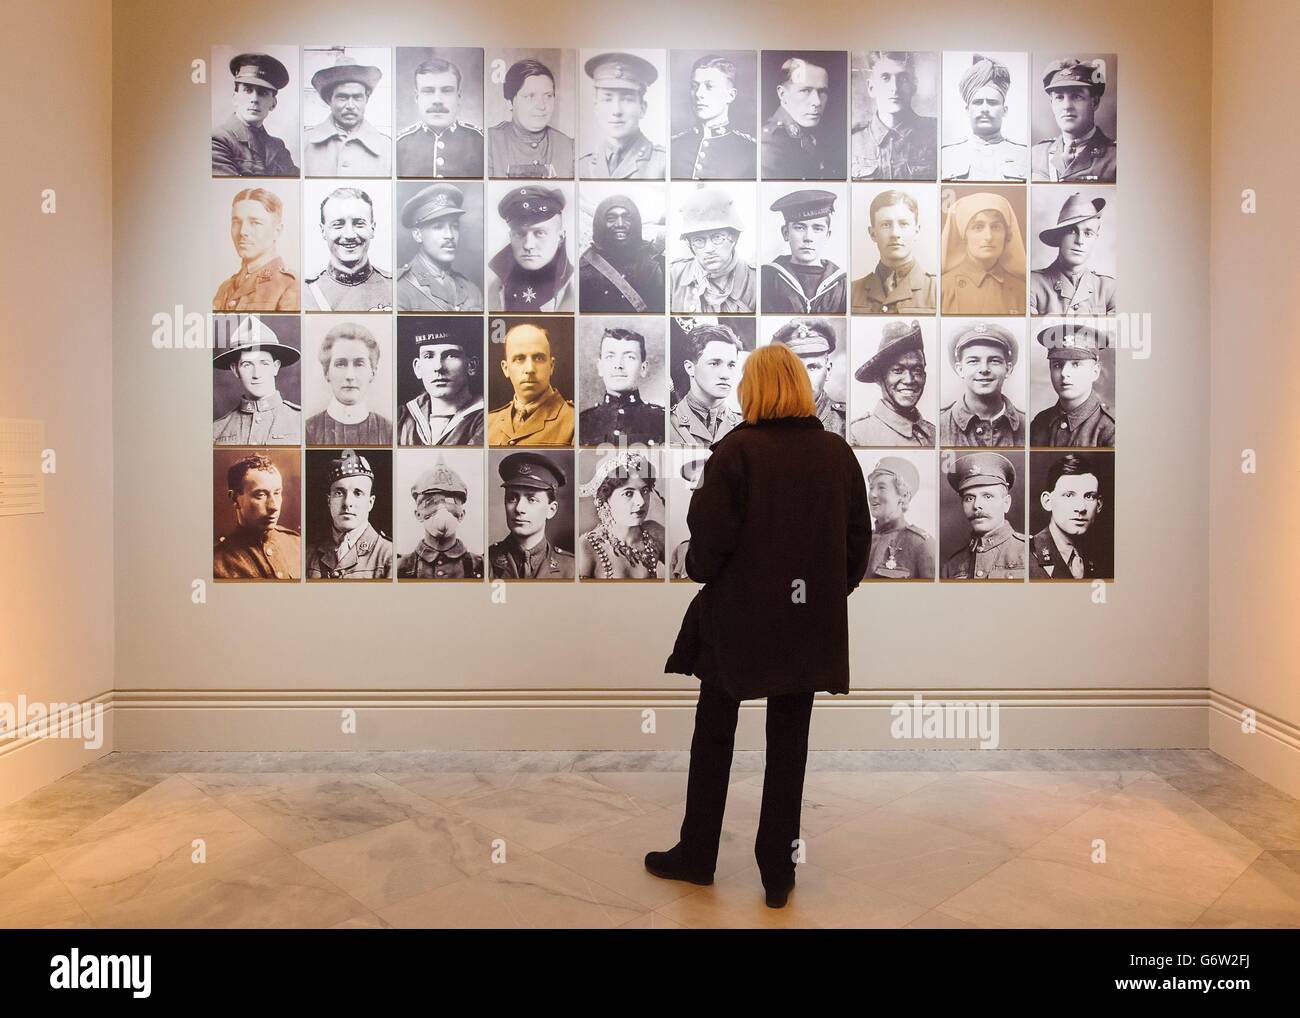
<point>346,143</point>
<point>986,153</point>
<point>892,140</point>
<point>1080,150</point>
<point>994,549</point>
<point>713,277</point>
<point>443,141</point>
<point>900,550</point>
<point>258,486</point>
<point>1071,493</point>
<point>627,540</point>
<point>350,280</point>
<point>255,355</point>
<point>435,215</point>
<point>352,548</point>
<point>619,148</point>
<point>804,280</point>
<point>813,340</point>
<point>439,496</point>
<point>714,146</point>
<point>1068,286</point>
<point>241,144</point>
<point>983,355</point>
<point>530,481</point>
<point>1080,417</point>
<point>898,367</point>
<point>263,281</point>
<point>446,357</point>
<point>533,271</point>
<point>527,143</point>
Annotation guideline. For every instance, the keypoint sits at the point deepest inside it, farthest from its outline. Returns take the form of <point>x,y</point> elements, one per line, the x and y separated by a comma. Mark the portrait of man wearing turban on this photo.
<point>986,154</point>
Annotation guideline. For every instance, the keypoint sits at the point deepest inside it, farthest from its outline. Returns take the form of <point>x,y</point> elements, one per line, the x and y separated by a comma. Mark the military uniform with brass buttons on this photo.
<point>716,152</point>
<point>248,554</point>
<point>270,287</point>
<point>999,554</point>
<point>455,151</point>
<point>548,422</point>
<point>622,417</point>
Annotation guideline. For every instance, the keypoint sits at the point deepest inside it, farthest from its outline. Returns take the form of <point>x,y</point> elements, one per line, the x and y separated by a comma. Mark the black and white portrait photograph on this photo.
<point>622,381</point>
<point>530,105</point>
<point>348,381</point>
<point>531,381</point>
<point>821,344</point>
<point>804,108</point>
<point>255,111</point>
<point>622,235</point>
<point>1072,116</point>
<point>256,523</point>
<point>804,249</point>
<point>438,518</point>
<point>347,245</point>
<point>439,246</point>
<point>531,496</point>
<point>349,514</point>
<point>683,468</point>
<point>256,380</point>
<point>530,247</point>
<point>439,93</point>
<point>893,399</point>
<point>1071,515</point>
<point>713,114</point>
<point>983,383</point>
<point>895,250</point>
<point>903,499</point>
<point>712,247</point>
<point>706,358</point>
<point>623,118</point>
<point>895,115</point>
<point>440,380</point>
<point>1075,250</point>
<point>1072,383</point>
<point>985,119</point>
<point>621,515</point>
<point>255,228</point>
<point>982,259</point>
<point>982,515</point>
<point>347,111</point>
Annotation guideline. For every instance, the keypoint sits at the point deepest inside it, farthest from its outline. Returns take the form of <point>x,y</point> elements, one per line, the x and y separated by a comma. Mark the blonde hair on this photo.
<point>775,384</point>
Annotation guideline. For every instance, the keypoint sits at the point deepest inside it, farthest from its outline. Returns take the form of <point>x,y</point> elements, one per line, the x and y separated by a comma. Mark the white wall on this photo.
<point>262,667</point>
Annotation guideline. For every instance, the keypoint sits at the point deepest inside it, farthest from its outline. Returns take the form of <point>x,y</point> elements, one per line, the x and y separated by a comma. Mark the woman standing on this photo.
<point>780,535</point>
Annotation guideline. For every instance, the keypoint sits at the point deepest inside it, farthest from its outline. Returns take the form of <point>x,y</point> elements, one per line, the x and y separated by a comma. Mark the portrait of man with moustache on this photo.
<point>443,141</point>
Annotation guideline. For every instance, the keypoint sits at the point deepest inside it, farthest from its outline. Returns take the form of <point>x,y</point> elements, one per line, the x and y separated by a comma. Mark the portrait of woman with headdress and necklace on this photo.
<point>627,539</point>
<point>982,252</point>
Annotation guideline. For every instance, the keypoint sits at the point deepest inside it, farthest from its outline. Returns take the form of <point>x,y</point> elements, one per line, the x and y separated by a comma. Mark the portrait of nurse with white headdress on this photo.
<point>982,253</point>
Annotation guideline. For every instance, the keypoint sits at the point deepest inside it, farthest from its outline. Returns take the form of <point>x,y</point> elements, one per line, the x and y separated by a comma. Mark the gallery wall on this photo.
<point>574,666</point>
<point>1255,320</point>
<point>56,567</point>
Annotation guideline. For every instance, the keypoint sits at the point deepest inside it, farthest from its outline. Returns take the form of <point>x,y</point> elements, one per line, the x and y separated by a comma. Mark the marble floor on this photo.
<point>1057,839</point>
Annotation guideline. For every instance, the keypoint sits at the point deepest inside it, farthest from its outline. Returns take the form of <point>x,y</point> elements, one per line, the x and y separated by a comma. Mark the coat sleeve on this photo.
<point>859,532</point>
<point>224,163</point>
<point>716,515</point>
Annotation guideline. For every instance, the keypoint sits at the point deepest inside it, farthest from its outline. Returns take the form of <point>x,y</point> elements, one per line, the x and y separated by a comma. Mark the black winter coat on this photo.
<point>780,534</point>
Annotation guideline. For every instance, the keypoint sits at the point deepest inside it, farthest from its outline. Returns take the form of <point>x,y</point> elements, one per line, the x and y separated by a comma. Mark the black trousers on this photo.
<point>788,717</point>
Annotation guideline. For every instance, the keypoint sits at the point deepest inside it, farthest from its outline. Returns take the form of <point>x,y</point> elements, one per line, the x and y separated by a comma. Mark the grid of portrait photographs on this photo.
<point>487,308</point>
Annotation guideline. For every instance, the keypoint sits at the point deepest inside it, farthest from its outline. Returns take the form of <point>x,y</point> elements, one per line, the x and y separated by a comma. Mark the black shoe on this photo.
<point>670,866</point>
<point>777,894</point>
